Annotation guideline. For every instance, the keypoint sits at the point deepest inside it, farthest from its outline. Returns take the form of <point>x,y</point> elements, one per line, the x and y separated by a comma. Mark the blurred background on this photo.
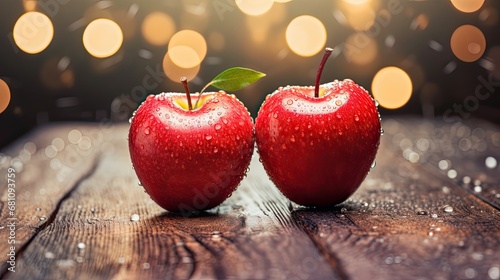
<point>83,60</point>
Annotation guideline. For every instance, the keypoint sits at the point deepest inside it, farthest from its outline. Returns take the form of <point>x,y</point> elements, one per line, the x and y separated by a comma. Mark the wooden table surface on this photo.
<point>428,210</point>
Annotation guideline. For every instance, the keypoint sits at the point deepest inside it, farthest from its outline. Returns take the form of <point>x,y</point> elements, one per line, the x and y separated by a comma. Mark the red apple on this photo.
<point>317,144</point>
<point>191,159</point>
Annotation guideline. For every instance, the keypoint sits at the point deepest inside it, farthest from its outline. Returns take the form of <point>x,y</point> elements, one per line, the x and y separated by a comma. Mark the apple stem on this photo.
<point>328,52</point>
<point>188,94</point>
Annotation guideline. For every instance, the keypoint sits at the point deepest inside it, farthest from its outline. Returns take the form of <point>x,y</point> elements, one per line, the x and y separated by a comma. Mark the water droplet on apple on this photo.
<point>215,150</point>
<point>338,102</point>
<point>288,120</point>
<point>260,159</point>
<point>297,128</point>
<point>309,126</point>
<point>381,131</point>
<point>376,103</point>
<point>340,132</point>
<point>338,116</point>
<point>224,121</point>
<point>374,163</point>
<point>312,143</point>
<point>130,120</point>
<point>180,144</point>
<point>292,139</point>
<point>283,146</point>
<point>237,137</point>
<point>146,131</point>
<point>289,102</point>
<point>216,100</point>
<point>275,115</point>
<point>217,126</point>
<point>208,137</point>
<point>356,118</point>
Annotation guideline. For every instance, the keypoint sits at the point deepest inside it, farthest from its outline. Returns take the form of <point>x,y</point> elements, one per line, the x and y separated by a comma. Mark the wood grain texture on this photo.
<point>461,147</point>
<point>398,225</point>
<point>408,220</point>
<point>250,236</point>
<point>42,181</point>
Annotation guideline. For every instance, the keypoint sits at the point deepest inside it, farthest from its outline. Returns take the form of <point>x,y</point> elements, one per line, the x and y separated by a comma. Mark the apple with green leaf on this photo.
<point>190,151</point>
<point>318,143</point>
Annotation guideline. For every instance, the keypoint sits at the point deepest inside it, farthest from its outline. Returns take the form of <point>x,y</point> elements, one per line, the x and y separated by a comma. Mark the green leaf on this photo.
<point>236,78</point>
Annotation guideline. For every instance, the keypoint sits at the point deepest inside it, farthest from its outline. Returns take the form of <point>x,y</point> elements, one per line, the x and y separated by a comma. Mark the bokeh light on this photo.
<point>29,5</point>
<point>174,72</point>
<point>184,56</point>
<point>306,35</point>
<point>33,32</point>
<point>392,87</point>
<point>468,43</point>
<point>467,6</point>
<point>95,12</point>
<point>356,2</point>
<point>360,14</point>
<point>360,48</point>
<point>254,7</point>
<point>188,39</point>
<point>4,96</point>
<point>420,22</point>
<point>158,28</point>
<point>263,26</point>
<point>128,24</point>
<point>102,38</point>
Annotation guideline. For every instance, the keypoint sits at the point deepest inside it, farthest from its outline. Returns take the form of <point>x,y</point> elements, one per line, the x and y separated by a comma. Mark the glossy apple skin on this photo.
<point>318,151</point>
<point>191,160</point>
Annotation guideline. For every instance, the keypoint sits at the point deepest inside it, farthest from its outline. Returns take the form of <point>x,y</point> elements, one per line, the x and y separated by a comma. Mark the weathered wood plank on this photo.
<point>251,236</point>
<point>47,166</point>
<point>408,221</point>
<point>457,150</point>
<point>394,227</point>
